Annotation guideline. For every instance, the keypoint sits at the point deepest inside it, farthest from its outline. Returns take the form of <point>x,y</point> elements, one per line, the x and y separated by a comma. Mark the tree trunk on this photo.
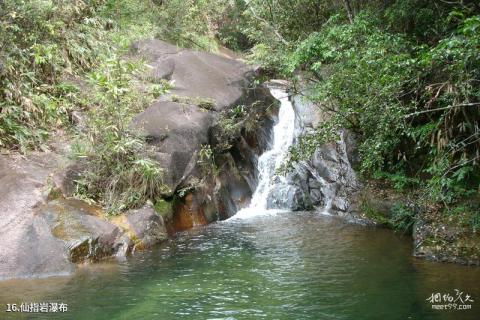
<point>348,7</point>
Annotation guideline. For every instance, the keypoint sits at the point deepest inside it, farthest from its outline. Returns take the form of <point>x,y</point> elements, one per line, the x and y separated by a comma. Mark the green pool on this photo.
<point>283,266</point>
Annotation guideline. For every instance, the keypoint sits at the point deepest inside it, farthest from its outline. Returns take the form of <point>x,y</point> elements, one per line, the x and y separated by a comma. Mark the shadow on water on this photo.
<point>283,266</point>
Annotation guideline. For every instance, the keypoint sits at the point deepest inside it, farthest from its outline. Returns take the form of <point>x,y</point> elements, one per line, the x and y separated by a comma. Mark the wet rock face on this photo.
<point>147,227</point>
<point>189,212</point>
<point>332,180</point>
<point>85,235</point>
<point>26,241</point>
<point>326,181</point>
<point>179,124</point>
<point>40,237</point>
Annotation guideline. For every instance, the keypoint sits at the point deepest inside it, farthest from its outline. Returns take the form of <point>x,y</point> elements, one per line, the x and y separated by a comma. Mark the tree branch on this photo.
<point>444,108</point>
<point>275,31</point>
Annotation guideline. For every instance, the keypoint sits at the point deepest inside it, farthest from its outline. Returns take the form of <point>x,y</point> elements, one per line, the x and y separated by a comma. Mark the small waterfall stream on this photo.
<point>272,159</point>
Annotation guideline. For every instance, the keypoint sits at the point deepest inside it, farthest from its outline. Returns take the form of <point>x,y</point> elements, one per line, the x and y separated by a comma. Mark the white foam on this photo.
<point>272,159</point>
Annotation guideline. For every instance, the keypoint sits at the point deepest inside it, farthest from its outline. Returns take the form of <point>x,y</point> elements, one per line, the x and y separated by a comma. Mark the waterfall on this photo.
<point>272,159</point>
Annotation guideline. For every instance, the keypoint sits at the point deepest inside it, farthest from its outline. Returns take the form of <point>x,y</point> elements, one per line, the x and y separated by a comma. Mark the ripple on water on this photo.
<point>287,266</point>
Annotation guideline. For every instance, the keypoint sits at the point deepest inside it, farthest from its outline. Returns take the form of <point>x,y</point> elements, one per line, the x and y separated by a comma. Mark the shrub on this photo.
<point>413,106</point>
<point>41,42</point>
<point>120,170</point>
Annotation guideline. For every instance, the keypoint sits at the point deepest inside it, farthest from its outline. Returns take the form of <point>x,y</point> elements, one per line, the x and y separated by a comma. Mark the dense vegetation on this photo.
<point>403,75</point>
<point>65,61</point>
<point>412,96</point>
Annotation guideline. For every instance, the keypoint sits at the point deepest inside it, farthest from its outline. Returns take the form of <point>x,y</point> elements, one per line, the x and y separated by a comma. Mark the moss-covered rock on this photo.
<point>142,227</point>
<point>86,234</point>
<point>164,209</point>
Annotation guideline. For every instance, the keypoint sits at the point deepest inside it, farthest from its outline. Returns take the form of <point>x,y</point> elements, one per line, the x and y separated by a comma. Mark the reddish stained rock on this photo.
<point>188,213</point>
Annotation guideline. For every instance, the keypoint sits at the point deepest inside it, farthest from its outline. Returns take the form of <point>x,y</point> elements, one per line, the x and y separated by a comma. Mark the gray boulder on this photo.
<point>85,235</point>
<point>146,226</point>
<point>42,238</point>
<point>177,131</point>
<point>27,246</point>
<point>181,122</point>
<point>196,74</point>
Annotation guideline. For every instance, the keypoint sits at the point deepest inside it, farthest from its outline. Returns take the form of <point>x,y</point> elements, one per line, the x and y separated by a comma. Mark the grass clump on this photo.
<point>120,170</point>
<point>42,43</point>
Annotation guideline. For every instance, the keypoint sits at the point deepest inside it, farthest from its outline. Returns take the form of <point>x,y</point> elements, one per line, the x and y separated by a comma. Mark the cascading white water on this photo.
<point>271,160</point>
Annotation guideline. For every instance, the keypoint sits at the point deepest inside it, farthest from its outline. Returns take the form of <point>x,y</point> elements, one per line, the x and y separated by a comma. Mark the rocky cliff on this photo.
<point>324,182</point>
<point>44,232</point>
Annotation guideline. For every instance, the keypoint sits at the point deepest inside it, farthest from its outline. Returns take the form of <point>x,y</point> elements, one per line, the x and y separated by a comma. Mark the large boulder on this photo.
<point>40,237</point>
<point>146,227</point>
<point>177,131</point>
<point>197,74</point>
<point>181,122</point>
<point>27,247</point>
<point>86,236</point>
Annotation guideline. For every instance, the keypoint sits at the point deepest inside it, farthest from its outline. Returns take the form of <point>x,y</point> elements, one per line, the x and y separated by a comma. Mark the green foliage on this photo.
<point>374,215</point>
<point>229,127</point>
<point>402,218</point>
<point>164,208</point>
<point>182,192</point>
<point>402,75</point>
<point>204,103</point>
<point>464,214</point>
<point>42,42</point>
<point>399,180</point>
<point>274,27</point>
<point>57,57</point>
<point>45,46</point>
<point>414,106</point>
<point>368,73</point>
<point>206,161</point>
<point>232,26</point>
<point>191,23</point>
<point>120,170</point>
<point>130,20</point>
